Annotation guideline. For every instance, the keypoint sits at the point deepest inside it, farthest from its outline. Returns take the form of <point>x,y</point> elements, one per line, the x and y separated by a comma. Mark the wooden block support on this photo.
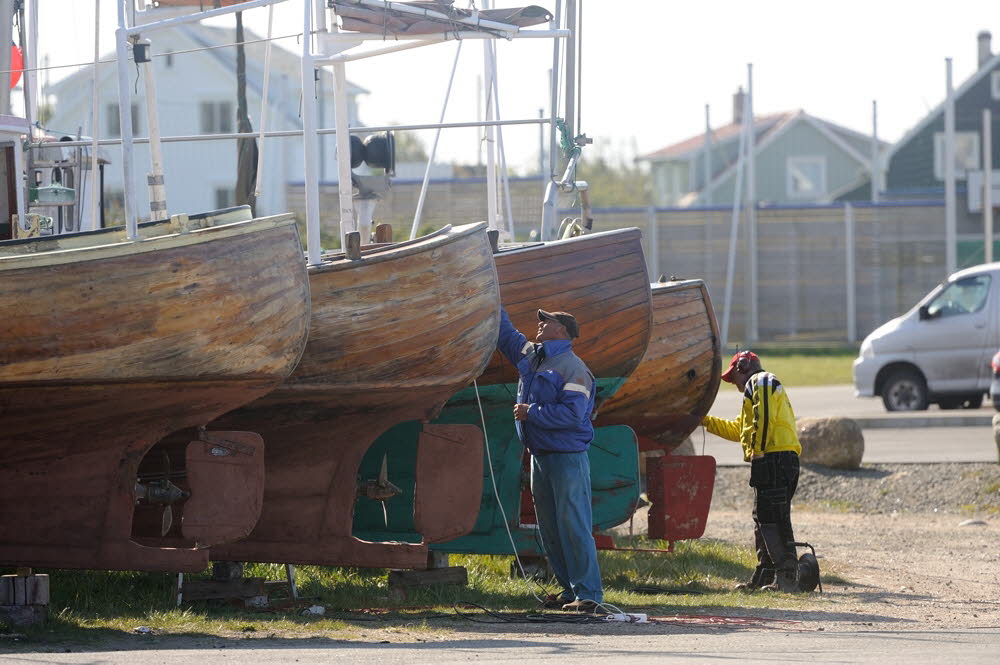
<point>353,245</point>
<point>409,578</point>
<point>383,233</point>
<point>24,598</point>
<point>243,588</point>
<point>30,590</point>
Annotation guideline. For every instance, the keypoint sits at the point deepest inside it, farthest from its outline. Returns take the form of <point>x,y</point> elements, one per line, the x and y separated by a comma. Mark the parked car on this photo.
<point>939,351</point>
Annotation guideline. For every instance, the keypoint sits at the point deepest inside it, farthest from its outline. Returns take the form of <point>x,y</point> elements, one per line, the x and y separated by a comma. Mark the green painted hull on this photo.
<point>614,462</point>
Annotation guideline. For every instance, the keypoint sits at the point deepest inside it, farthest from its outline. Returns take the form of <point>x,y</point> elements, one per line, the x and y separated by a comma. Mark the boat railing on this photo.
<point>332,47</point>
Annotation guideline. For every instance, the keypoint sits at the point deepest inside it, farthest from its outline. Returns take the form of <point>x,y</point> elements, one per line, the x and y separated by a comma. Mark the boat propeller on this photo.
<point>164,493</point>
<point>380,489</point>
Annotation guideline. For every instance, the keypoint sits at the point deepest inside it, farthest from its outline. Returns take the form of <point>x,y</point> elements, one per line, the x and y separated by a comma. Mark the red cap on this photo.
<point>741,363</point>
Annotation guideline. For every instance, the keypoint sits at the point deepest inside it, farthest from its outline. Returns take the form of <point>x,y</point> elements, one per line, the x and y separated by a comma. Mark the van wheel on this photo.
<point>904,390</point>
<point>996,402</point>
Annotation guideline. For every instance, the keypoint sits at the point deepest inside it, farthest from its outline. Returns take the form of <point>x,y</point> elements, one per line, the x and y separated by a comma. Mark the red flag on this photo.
<point>16,64</point>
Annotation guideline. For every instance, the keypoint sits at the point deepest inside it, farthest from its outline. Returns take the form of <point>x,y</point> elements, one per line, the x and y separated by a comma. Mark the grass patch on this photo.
<point>810,368</point>
<point>93,607</point>
<point>841,505</point>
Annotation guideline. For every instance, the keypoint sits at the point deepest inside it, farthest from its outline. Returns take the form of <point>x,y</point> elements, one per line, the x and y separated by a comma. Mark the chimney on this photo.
<point>738,100</point>
<point>983,41</point>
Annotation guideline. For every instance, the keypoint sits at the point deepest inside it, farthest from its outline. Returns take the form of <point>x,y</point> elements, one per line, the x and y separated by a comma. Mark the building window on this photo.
<point>966,154</point>
<point>216,117</point>
<point>114,122</point>
<point>805,177</point>
<point>225,197</point>
<point>170,58</point>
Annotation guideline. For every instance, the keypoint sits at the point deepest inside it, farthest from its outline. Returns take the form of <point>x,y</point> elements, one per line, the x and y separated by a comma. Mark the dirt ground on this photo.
<point>903,571</point>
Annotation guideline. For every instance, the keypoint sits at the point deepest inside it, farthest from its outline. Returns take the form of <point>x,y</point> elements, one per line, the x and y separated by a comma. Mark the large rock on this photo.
<point>833,442</point>
<point>996,433</point>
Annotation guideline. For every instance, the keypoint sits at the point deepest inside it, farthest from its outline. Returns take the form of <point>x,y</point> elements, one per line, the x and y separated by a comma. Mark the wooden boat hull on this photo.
<point>393,336</point>
<point>105,350</point>
<point>675,384</point>
<point>602,280</point>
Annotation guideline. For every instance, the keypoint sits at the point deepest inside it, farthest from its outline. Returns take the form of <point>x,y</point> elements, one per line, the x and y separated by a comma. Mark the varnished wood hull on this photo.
<point>673,388</point>
<point>392,337</point>
<point>601,279</point>
<point>106,349</point>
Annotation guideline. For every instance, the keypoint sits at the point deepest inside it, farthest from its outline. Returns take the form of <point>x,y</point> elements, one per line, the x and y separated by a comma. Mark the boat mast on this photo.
<point>125,122</point>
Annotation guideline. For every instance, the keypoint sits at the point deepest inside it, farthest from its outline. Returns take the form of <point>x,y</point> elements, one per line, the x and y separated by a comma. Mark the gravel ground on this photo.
<point>972,490</point>
<point>908,547</point>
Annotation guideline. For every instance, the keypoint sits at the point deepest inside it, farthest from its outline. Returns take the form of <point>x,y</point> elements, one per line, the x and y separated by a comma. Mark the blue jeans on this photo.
<point>560,487</point>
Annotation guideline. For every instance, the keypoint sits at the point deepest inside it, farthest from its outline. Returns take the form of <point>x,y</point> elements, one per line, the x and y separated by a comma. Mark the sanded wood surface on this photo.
<point>393,336</point>
<point>675,384</point>
<point>105,349</point>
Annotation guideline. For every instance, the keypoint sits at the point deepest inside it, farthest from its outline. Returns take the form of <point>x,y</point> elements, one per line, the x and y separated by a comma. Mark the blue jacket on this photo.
<point>558,387</point>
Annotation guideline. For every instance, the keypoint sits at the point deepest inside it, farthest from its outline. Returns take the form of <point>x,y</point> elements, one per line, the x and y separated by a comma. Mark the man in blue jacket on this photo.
<point>555,399</point>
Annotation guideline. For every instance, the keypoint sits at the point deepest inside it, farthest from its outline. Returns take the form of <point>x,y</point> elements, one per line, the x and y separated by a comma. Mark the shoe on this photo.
<point>785,578</point>
<point>554,602</point>
<point>585,605</point>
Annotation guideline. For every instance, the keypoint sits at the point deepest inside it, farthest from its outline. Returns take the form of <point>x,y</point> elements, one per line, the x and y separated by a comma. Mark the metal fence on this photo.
<point>810,287</point>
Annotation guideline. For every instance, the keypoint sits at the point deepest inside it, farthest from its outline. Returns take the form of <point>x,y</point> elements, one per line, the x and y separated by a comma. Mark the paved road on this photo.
<point>962,435</point>
<point>634,645</point>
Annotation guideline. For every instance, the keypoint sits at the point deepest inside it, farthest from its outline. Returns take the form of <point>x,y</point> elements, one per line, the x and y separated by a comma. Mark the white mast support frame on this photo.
<point>6,37</point>
<point>987,186</point>
<point>285,133</point>
<point>264,99</point>
<point>156,179</point>
<point>30,53</point>
<point>418,213</point>
<point>125,123</point>
<point>489,72</point>
<point>570,105</point>
<point>876,164</point>
<point>506,29</point>
<point>753,331</point>
<point>95,126</point>
<point>175,21</point>
<point>504,177</point>
<point>852,308</point>
<point>314,251</point>
<point>407,42</point>
<point>344,186</point>
<point>734,231</point>
<point>950,233</point>
<point>551,198</point>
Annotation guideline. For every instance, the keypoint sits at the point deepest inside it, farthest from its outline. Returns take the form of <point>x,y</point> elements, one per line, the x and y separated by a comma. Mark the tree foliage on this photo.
<point>614,177</point>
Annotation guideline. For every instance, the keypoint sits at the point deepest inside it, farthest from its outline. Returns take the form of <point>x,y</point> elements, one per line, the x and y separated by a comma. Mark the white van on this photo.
<point>939,352</point>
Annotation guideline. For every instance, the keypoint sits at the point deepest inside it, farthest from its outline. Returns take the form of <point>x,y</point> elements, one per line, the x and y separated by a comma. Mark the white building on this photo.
<point>197,95</point>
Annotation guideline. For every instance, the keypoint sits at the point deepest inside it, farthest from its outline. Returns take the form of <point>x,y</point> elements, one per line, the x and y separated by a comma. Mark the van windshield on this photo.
<point>964,296</point>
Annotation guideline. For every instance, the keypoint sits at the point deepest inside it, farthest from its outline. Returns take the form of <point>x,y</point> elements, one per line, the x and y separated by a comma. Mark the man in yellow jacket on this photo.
<point>766,430</point>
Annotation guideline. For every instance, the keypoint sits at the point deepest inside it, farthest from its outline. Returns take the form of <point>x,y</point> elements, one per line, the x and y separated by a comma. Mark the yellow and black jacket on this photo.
<point>766,423</point>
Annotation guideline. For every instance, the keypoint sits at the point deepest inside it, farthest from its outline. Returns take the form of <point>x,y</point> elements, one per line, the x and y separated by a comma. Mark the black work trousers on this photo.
<point>774,478</point>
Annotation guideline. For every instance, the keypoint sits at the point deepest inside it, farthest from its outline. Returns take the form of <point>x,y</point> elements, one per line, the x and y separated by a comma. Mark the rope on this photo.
<point>264,103</point>
<point>496,494</point>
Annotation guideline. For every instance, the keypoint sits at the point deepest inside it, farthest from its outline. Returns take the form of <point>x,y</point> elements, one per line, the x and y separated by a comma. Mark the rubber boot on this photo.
<point>786,568</point>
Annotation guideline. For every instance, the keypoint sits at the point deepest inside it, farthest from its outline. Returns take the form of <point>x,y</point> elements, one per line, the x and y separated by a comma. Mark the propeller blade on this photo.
<point>167,521</point>
<point>383,475</point>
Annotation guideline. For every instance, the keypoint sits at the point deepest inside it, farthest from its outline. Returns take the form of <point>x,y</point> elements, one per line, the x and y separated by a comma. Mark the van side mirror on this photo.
<point>924,313</point>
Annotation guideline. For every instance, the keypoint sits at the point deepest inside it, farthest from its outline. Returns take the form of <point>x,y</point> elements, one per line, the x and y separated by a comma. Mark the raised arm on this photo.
<point>511,342</point>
